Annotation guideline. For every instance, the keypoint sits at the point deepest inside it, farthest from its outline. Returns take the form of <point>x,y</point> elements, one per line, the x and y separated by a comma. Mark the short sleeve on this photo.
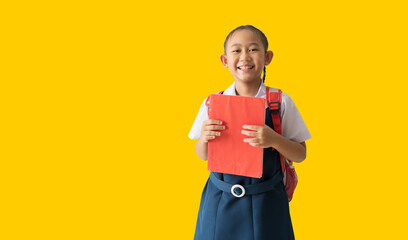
<point>202,115</point>
<point>293,126</point>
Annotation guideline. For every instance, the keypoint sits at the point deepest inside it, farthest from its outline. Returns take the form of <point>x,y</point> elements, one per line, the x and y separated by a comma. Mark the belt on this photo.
<point>248,189</point>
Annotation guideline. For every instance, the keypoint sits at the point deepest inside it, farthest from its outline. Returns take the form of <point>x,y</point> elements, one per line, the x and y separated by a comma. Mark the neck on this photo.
<point>247,89</point>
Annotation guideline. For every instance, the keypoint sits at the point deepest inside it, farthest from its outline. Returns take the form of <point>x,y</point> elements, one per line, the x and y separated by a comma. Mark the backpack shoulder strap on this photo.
<point>274,99</point>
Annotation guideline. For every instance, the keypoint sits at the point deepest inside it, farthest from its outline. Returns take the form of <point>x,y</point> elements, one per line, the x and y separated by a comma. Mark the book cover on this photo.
<point>229,153</point>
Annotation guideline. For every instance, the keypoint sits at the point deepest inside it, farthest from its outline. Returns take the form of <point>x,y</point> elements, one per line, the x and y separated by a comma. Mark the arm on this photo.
<point>293,151</point>
<point>202,149</point>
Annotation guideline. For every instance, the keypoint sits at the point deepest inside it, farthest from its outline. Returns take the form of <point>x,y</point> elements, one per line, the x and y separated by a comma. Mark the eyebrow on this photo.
<point>252,43</point>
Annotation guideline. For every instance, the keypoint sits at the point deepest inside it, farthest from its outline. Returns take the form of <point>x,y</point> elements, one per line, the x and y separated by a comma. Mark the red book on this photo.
<point>229,153</point>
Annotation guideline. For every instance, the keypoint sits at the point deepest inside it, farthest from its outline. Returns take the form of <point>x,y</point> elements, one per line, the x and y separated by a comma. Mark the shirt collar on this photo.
<point>260,94</point>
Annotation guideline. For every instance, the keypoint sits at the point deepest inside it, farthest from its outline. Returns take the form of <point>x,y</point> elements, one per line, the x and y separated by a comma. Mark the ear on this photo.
<point>268,57</point>
<point>223,58</point>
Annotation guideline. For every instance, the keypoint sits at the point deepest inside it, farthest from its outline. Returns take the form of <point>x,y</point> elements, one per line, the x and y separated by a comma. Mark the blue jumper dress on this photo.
<point>263,216</point>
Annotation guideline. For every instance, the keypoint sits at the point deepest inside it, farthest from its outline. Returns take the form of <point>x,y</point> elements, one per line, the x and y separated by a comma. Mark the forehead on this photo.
<point>244,37</point>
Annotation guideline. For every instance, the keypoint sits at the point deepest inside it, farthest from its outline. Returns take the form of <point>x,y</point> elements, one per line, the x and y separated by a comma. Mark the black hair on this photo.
<point>257,31</point>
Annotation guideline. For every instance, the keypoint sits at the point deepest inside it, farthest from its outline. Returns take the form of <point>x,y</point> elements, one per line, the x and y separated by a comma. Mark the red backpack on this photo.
<point>274,99</point>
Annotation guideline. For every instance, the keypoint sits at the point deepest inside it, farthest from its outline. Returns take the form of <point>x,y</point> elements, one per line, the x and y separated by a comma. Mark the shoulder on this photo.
<point>286,98</point>
<point>293,125</point>
<point>287,105</point>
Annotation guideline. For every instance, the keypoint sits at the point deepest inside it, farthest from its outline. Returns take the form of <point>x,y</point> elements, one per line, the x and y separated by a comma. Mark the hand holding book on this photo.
<point>208,129</point>
<point>262,136</point>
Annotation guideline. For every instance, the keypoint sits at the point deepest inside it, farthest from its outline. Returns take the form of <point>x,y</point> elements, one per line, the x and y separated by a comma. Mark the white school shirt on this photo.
<point>293,126</point>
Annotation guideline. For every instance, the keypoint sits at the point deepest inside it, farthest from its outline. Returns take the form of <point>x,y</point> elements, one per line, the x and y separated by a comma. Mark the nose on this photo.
<point>244,56</point>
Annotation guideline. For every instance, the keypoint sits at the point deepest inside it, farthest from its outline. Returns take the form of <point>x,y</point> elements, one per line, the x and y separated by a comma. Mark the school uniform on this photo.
<point>260,216</point>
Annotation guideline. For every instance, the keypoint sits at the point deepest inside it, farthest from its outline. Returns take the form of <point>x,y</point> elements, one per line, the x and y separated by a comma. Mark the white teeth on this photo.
<point>247,67</point>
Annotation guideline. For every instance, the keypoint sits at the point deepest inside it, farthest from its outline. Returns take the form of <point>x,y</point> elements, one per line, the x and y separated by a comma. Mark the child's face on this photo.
<point>245,56</point>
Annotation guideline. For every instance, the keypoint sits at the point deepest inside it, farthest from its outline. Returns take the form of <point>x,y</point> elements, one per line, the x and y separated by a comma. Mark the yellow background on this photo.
<point>98,97</point>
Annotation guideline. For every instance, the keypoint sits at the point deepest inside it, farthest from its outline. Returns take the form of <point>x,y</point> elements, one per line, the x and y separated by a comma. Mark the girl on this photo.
<point>261,216</point>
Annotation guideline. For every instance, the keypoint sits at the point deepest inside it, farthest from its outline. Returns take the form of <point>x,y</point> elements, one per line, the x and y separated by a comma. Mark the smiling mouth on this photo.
<point>245,67</point>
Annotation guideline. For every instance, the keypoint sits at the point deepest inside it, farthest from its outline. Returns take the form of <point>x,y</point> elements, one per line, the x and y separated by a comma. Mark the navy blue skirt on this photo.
<point>263,216</point>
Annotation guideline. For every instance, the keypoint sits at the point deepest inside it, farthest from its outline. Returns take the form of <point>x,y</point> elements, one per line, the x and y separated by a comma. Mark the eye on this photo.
<point>254,49</point>
<point>235,50</point>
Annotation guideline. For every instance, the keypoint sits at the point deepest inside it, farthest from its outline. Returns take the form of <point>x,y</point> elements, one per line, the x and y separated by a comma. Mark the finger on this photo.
<point>251,140</point>
<point>255,144</point>
<point>213,121</point>
<point>249,133</point>
<point>208,138</point>
<point>215,127</point>
<point>213,133</point>
<point>252,127</point>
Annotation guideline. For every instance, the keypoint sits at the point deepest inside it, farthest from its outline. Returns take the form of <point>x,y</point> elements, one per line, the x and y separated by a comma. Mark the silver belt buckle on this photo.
<point>240,187</point>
